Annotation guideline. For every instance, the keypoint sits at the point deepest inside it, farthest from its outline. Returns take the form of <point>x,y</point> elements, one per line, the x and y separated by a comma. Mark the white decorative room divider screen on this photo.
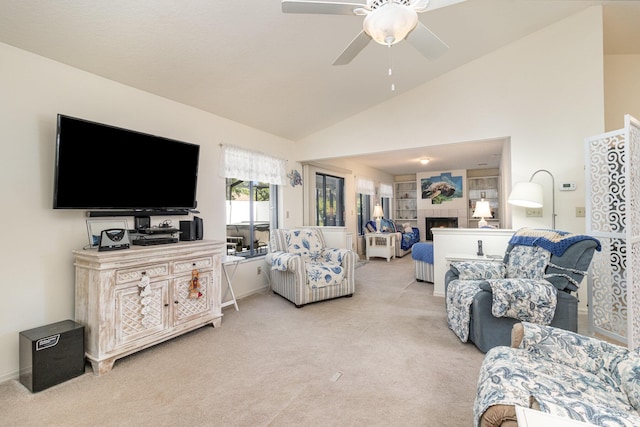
<point>613,216</point>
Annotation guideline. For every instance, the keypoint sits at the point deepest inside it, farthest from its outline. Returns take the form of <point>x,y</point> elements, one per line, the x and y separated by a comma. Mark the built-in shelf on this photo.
<point>487,188</point>
<point>406,202</point>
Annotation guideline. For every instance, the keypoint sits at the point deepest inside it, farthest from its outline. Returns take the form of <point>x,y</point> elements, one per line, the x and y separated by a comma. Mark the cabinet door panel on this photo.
<point>134,319</point>
<point>186,308</point>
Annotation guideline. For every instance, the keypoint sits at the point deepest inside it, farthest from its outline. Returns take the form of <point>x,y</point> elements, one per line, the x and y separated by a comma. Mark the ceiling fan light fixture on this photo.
<point>390,23</point>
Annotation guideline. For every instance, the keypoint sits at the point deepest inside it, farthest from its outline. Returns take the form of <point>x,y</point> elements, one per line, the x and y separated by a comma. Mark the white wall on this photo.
<point>544,92</point>
<point>622,89</point>
<point>37,266</point>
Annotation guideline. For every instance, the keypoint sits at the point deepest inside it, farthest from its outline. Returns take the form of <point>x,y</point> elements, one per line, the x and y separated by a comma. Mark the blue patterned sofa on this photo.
<point>304,270</point>
<point>558,372</point>
<point>406,236</point>
<point>535,282</point>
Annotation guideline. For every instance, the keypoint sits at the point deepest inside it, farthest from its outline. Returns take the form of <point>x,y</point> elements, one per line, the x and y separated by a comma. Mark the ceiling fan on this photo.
<point>386,21</point>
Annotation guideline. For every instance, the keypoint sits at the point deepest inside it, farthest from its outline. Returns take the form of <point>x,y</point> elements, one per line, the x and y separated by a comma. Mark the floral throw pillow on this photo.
<point>469,270</point>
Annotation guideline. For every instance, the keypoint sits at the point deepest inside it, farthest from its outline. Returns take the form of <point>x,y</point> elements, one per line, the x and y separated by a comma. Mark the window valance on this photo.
<point>386,190</point>
<point>365,186</point>
<point>248,165</point>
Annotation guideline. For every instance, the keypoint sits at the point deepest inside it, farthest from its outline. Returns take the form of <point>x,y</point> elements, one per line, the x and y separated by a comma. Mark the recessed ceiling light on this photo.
<point>424,161</point>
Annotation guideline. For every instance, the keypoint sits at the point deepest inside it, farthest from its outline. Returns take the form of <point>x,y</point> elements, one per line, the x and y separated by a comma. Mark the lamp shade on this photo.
<point>377,211</point>
<point>483,210</point>
<point>526,194</point>
<point>390,23</point>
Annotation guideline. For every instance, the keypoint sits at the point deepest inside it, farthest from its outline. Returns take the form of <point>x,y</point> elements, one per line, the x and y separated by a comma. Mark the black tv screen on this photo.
<point>105,167</point>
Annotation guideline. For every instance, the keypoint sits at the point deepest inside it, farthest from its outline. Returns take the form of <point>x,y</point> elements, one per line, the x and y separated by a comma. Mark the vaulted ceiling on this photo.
<point>247,61</point>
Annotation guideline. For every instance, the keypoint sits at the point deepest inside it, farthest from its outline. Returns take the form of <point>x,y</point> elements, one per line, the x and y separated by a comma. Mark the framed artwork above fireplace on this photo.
<point>442,188</point>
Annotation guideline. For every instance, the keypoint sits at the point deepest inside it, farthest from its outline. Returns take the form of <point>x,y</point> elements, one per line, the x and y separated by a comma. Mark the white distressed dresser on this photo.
<point>131,299</point>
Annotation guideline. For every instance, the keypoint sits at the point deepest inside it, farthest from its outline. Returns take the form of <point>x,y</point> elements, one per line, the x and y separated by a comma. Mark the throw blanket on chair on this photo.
<point>460,295</point>
<point>524,299</point>
<point>554,241</point>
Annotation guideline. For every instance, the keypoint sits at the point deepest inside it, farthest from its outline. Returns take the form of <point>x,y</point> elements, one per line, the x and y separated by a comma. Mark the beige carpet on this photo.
<point>383,357</point>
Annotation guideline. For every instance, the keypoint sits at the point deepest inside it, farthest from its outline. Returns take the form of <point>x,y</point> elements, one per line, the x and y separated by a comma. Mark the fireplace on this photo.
<point>439,222</point>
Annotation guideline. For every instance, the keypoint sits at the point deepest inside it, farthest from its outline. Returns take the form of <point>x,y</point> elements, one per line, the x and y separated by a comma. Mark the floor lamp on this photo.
<point>529,195</point>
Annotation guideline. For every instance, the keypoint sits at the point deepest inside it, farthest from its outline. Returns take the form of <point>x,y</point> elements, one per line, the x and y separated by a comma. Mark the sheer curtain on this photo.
<point>247,165</point>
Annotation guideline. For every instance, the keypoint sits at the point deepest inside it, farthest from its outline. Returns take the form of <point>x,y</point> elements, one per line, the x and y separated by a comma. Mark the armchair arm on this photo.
<point>284,261</point>
<point>571,349</point>
<point>336,255</point>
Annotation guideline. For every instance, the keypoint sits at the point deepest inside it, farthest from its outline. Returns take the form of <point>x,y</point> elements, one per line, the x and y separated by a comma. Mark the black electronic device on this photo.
<point>199,227</point>
<point>142,222</point>
<point>51,354</point>
<point>152,241</point>
<point>157,230</point>
<point>113,239</point>
<point>126,169</point>
<point>187,230</point>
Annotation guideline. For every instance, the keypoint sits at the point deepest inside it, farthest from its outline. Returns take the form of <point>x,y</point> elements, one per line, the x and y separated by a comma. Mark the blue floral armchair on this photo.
<point>303,270</point>
<point>535,282</point>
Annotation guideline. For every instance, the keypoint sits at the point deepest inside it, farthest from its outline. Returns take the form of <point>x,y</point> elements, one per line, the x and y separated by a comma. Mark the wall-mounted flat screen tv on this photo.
<point>105,167</point>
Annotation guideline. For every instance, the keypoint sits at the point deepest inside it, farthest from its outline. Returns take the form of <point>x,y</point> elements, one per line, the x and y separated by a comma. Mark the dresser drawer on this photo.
<point>180,267</point>
<point>136,273</point>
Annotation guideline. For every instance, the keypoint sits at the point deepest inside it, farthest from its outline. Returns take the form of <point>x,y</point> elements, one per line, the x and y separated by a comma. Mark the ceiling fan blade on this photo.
<point>321,7</point>
<point>357,44</point>
<point>427,42</point>
<point>427,5</point>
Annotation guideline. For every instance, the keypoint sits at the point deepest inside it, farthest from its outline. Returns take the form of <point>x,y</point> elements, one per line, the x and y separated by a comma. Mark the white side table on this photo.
<point>230,260</point>
<point>380,245</point>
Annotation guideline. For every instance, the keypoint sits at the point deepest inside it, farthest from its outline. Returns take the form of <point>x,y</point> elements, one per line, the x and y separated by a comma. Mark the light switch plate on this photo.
<point>534,212</point>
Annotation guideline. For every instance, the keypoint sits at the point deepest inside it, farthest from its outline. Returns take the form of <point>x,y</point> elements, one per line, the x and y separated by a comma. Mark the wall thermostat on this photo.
<point>568,186</point>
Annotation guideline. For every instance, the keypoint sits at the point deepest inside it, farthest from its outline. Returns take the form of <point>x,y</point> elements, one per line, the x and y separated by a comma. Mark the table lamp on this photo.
<point>378,214</point>
<point>482,210</point>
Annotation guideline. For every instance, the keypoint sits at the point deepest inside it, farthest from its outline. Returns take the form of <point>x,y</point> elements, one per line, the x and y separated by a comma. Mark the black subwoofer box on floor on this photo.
<point>51,354</point>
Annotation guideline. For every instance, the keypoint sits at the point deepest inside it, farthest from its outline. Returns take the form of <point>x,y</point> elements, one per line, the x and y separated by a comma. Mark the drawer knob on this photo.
<point>176,302</point>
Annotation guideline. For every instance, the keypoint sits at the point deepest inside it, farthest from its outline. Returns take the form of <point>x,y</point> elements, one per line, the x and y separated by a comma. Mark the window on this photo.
<point>329,200</point>
<point>386,194</point>
<point>363,209</point>
<point>251,198</point>
<point>249,216</point>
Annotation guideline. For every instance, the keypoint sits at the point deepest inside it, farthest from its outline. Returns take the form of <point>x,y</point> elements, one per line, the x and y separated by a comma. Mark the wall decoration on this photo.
<point>295,178</point>
<point>441,188</point>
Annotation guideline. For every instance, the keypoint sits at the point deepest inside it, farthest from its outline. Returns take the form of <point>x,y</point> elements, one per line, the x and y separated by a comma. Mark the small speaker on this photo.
<point>188,230</point>
<point>142,222</point>
<point>199,227</point>
<point>51,354</point>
